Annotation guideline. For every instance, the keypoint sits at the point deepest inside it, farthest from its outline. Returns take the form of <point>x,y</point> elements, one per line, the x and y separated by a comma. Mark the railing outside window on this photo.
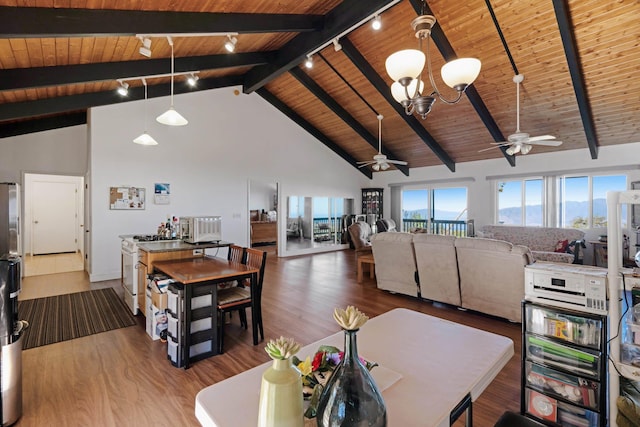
<point>440,226</point>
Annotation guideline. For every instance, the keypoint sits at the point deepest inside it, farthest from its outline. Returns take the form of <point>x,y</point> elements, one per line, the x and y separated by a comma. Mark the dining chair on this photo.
<point>235,254</point>
<point>239,298</point>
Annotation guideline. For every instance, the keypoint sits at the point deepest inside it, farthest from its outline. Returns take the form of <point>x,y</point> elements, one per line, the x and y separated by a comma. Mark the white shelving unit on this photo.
<point>616,201</point>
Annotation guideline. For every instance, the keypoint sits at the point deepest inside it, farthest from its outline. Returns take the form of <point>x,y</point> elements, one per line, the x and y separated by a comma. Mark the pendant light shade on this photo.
<point>171,117</point>
<point>145,138</point>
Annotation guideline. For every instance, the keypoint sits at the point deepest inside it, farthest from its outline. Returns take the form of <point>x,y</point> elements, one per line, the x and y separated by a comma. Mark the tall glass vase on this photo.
<point>351,397</point>
<point>281,400</point>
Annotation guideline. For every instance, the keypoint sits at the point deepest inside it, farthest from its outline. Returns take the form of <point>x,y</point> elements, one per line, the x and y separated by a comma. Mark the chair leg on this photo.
<point>243,317</point>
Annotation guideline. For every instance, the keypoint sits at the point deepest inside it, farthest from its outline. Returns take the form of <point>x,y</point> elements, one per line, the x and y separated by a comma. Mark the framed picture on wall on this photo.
<point>126,198</point>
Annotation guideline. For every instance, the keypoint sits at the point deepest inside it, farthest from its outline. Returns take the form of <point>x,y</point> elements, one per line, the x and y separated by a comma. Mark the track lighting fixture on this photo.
<point>123,89</point>
<point>336,45</point>
<point>376,23</point>
<point>309,62</point>
<point>192,79</point>
<point>145,49</point>
<point>230,44</point>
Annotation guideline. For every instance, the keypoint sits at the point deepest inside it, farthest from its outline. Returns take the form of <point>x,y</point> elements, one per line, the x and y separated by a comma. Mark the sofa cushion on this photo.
<point>492,276</point>
<point>395,262</point>
<point>437,265</point>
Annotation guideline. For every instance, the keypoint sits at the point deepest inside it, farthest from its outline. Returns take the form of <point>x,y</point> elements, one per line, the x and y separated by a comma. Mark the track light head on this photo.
<point>376,23</point>
<point>230,44</point>
<point>336,45</point>
<point>309,62</point>
<point>145,49</point>
<point>123,89</point>
<point>192,79</point>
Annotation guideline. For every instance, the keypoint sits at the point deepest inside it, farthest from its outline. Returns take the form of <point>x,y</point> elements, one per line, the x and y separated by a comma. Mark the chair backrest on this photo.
<point>257,259</point>
<point>360,232</point>
<point>236,253</point>
<point>386,224</point>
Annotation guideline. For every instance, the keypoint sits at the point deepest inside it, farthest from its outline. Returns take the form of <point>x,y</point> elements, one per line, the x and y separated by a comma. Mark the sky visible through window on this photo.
<point>452,200</point>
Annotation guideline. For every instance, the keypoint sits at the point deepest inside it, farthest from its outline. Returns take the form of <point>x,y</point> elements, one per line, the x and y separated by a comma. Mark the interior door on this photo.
<point>54,208</point>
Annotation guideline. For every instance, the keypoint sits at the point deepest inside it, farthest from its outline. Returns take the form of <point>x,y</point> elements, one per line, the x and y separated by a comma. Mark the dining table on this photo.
<point>205,273</point>
<point>430,371</point>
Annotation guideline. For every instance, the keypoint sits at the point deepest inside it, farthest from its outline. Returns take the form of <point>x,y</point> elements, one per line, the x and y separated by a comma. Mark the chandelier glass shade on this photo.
<point>405,67</point>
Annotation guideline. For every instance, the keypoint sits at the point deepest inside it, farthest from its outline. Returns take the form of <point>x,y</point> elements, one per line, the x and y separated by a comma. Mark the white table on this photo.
<point>440,362</point>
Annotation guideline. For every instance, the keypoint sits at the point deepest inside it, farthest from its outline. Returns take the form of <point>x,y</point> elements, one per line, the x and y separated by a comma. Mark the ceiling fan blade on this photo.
<point>501,143</point>
<point>365,164</point>
<point>491,148</point>
<point>541,138</point>
<point>549,143</point>
<point>397,162</point>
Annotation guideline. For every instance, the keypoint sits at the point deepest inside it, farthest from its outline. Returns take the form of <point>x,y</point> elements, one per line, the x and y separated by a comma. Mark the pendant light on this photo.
<point>145,138</point>
<point>171,117</point>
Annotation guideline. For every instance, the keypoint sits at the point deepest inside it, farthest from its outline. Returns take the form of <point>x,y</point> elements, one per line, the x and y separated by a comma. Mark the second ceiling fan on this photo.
<point>521,142</point>
<point>380,161</point>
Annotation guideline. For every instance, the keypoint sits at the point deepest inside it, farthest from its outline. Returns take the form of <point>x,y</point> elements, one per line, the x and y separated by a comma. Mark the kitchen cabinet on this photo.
<point>146,261</point>
<point>264,232</point>
<point>564,366</point>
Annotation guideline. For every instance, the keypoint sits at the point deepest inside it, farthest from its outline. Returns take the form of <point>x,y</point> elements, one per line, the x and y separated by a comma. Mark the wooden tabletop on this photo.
<point>202,269</point>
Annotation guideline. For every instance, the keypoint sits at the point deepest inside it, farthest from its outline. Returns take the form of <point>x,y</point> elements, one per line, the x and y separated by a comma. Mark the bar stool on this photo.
<point>513,419</point>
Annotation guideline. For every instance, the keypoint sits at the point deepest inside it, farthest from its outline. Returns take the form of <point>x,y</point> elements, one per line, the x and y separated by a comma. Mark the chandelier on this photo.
<point>405,68</point>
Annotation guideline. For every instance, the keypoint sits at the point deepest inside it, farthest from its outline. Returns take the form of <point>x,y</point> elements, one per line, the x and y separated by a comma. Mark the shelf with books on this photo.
<point>564,366</point>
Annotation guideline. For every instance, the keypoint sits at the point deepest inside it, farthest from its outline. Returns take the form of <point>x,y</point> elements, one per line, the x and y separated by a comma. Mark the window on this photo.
<point>520,202</point>
<point>582,200</point>
<point>440,206</point>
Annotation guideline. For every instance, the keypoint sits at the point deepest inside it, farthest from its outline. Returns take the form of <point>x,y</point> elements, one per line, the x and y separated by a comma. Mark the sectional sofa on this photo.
<point>479,274</point>
<point>546,243</point>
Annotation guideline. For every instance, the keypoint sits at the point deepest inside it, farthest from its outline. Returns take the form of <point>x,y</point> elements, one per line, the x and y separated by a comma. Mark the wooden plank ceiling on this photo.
<point>579,58</point>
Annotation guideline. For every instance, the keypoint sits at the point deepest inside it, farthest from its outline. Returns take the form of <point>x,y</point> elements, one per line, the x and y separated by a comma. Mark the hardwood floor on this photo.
<point>36,265</point>
<point>123,378</point>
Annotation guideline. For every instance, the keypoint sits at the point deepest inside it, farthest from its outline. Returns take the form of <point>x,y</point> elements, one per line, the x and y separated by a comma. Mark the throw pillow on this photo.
<point>561,246</point>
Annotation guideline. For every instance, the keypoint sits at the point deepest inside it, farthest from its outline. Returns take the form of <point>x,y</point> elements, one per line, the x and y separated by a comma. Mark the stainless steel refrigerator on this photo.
<point>10,219</point>
<point>11,329</point>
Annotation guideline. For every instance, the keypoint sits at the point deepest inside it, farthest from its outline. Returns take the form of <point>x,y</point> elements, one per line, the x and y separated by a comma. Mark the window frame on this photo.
<point>523,196</point>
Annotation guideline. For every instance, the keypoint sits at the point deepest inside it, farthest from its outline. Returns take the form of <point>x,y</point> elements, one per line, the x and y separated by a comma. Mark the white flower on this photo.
<point>350,319</point>
<point>282,348</point>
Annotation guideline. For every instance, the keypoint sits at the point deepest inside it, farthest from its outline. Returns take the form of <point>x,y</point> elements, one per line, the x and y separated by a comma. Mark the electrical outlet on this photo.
<point>198,252</point>
<point>236,215</point>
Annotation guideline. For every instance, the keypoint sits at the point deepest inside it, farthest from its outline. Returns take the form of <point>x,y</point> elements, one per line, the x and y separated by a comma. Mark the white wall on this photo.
<point>230,140</point>
<point>59,151</point>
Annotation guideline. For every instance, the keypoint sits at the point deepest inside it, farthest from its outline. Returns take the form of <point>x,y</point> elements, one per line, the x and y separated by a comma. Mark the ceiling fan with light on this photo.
<point>521,142</point>
<point>380,161</point>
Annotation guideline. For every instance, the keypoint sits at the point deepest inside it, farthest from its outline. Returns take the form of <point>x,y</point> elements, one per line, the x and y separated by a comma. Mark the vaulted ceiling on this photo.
<point>580,59</point>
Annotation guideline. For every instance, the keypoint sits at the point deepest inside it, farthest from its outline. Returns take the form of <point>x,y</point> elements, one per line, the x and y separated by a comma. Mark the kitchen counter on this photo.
<point>177,245</point>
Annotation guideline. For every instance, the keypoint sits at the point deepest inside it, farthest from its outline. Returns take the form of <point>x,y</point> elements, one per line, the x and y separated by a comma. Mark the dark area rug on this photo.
<point>65,317</point>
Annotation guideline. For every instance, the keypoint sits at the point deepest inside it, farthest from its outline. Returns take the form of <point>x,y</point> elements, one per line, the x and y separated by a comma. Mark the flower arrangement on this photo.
<point>317,371</point>
<point>282,348</point>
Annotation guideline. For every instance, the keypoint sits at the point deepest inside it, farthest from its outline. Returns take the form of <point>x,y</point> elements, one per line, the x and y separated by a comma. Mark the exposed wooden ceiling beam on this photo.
<point>447,52</point>
<point>62,104</point>
<point>315,132</point>
<point>563,17</point>
<point>25,78</point>
<point>42,123</point>
<point>37,22</point>
<point>340,19</point>
<point>334,106</point>
<point>374,78</point>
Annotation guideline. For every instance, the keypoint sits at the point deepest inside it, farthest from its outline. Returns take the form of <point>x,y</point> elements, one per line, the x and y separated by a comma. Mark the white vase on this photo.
<point>281,400</point>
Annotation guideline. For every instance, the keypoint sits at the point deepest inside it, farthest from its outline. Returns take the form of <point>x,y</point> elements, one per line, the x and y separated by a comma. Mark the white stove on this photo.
<point>129,251</point>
